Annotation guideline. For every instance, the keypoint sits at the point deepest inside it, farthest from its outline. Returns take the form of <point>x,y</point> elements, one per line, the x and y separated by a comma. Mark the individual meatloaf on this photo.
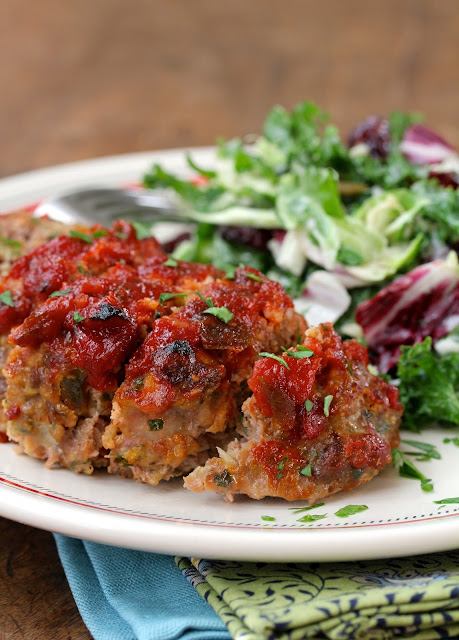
<point>317,422</point>
<point>184,387</point>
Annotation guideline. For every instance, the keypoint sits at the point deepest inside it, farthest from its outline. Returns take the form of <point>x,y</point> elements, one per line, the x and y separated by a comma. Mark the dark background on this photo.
<point>98,77</point>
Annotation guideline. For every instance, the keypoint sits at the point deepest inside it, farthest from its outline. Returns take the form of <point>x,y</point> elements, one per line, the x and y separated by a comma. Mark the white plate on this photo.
<point>400,520</point>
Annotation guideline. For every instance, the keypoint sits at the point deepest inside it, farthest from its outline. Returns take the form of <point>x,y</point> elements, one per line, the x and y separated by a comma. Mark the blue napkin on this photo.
<point>132,595</point>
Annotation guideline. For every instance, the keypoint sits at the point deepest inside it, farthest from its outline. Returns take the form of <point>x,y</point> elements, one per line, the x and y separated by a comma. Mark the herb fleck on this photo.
<point>156,424</point>
<point>301,352</point>
<point>58,294</point>
<point>265,354</point>
<point>168,296</point>
<point>230,273</point>
<point>170,262</point>
<point>223,479</point>
<point>7,298</point>
<point>81,236</point>
<point>138,383</point>
<point>350,510</point>
<point>121,461</point>
<point>306,471</point>
<point>309,517</point>
<point>121,235</point>
<point>299,510</point>
<point>408,470</point>
<point>268,518</point>
<point>453,440</point>
<point>77,317</point>
<point>222,313</point>
<point>327,403</point>
<point>251,275</point>
<point>10,243</point>
<point>308,405</point>
<point>208,301</point>
<point>100,233</point>
<point>447,501</point>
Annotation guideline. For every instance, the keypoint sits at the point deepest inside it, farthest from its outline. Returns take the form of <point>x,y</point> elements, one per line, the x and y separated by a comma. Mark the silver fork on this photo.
<point>91,205</point>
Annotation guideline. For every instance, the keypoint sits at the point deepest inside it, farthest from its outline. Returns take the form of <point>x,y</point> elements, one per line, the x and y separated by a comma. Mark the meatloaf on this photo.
<point>316,423</point>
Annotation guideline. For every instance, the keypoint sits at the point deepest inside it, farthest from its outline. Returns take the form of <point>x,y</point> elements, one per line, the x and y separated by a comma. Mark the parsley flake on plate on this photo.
<point>350,510</point>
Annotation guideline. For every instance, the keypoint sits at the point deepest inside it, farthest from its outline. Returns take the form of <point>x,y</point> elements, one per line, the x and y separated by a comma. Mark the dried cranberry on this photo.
<point>375,133</point>
<point>255,238</point>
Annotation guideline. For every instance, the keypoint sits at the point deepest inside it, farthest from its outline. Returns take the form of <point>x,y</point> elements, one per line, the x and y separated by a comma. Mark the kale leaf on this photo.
<point>429,386</point>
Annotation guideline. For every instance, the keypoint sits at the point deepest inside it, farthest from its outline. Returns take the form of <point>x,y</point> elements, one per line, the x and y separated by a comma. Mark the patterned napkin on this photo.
<point>132,595</point>
<point>409,598</point>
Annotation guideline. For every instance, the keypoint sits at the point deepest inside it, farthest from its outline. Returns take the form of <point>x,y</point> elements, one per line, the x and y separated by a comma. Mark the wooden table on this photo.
<point>93,78</point>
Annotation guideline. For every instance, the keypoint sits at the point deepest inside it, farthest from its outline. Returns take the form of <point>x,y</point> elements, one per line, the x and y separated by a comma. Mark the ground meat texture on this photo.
<point>316,424</point>
<point>186,383</point>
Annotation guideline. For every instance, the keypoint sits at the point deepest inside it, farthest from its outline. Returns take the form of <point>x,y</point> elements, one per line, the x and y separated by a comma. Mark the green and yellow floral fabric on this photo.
<point>398,598</point>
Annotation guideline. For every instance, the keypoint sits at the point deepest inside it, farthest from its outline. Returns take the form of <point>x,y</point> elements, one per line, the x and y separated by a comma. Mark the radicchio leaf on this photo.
<point>420,145</point>
<point>423,302</point>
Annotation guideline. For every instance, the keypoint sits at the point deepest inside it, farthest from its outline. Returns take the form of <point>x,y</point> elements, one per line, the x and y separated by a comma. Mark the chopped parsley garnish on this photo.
<point>312,517</point>
<point>81,236</point>
<point>10,243</point>
<point>170,262</point>
<point>155,424</point>
<point>7,298</point>
<point>453,440</point>
<point>327,403</point>
<point>408,470</point>
<point>168,296</point>
<point>447,501</point>
<point>77,317</point>
<point>81,270</point>
<point>208,301</point>
<point>230,273</point>
<point>280,466</point>
<point>58,294</point>
<point>100,233</point>
<point>308,405</point>
<point>121,235</point>
<point>302,352</point>
<point>281,463</point>
<point>265,354</point>
<point>222,313</point>
<point>426,451</point>
<point>268,518</point>
<point>348,365</point>
<point>122,461</point>
<point>299,510</point>
<point>223,479</point>
<point>350,510</point>
<point>253,276</point>
<point>305,471</point>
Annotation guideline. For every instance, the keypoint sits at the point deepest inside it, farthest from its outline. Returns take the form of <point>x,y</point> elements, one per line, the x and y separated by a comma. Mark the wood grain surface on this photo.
<point>99,77</point>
